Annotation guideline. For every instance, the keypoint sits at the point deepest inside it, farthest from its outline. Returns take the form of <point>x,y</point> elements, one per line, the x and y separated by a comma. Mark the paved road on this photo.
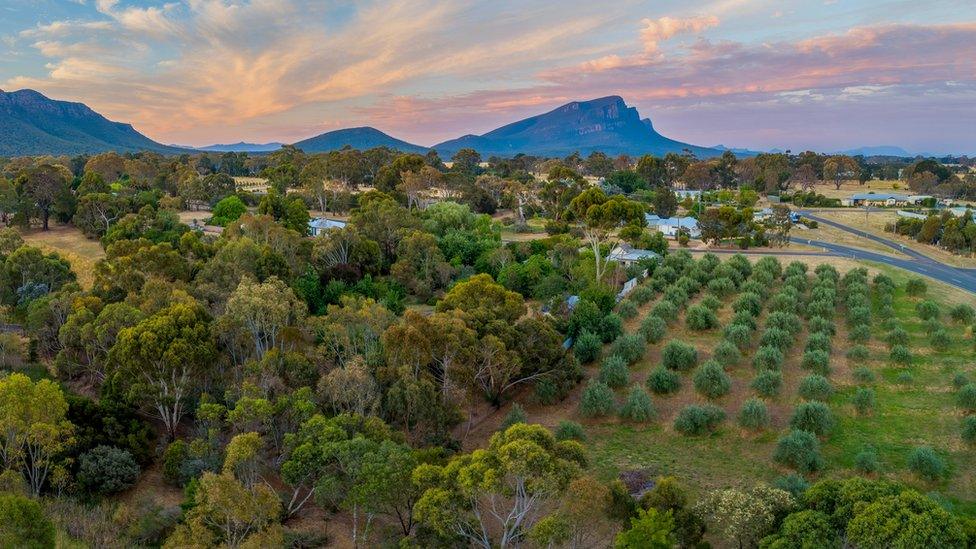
<point>917,262</point>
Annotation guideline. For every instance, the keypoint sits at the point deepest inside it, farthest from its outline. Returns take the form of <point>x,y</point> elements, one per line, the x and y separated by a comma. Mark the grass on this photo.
<point>72,245</point>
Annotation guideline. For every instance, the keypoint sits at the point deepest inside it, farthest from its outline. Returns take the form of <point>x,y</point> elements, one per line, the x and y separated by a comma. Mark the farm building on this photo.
<point>670,226</point>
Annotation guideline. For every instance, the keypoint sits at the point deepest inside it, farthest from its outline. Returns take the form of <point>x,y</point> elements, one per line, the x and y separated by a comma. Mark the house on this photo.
<point>883,199</point>
<point>960,211</point>
<point>687,193</point>
<point>670,226</point>
<point>320,225</point>
<point>628,255</point>
<point>762,214</point>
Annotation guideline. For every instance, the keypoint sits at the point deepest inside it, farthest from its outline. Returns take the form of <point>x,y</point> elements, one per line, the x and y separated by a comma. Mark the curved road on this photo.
<point>917,262</point>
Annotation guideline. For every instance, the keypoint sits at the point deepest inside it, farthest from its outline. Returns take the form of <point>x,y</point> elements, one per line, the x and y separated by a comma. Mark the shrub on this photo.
<point>662,381</point>
<point>721,287</point>
<point>767,383</point>
<point>795,485</point>
<point>174,456</point>
<point>739,335</point>
<point>627,309</point>
<point>697,419</point>
<point>677,294</point>
<point>23,523</point>
<point>916,287</point>
<point>799,450</point>
<point>960,380</point>
<point>814,417</point>
<point>754,415</point>
<point>900,354</point>
<point>858,316</point>
<point>818,342</point>
<point>969,430</point>
<point>106,470</point>
<point>889,323</point>
<point>858,352</point>
<point>859,334</point>
<point>821,325</point>
<point>768,358</point>
<point>897,336</point>
<point>905,378</point>
<point>642,294</point>
<point>816,361</point>
<point>776,337</point>
<point>864,400</point>
<point>611,326</point>
<point>597,399</point>
<point>653,328</point>
<point>711,380</point>
<point>700,317</point>
<point>638,406</point>
<point>587,347</point>
<point>516,414</point>
<point>815,387</point>
<point>614,372</point>
<point>630,347</point>
<point>866,461</point>
<point>962,313</point>
<point>744,318</point>
<point>789,322</point>
<point>966,398</point>
<point>749,303</point>
<point>678,355</point>
<point>940,339</point>
<point>863,374</point>
<point>927,310</point>
<point>665,310</point>
<point>924,462</point>
<point>727,354</point>
<point>570,430</point>
<point>713,303</point>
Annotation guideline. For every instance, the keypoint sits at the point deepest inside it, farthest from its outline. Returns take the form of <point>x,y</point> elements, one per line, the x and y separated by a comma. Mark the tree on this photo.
<point>262,311</point>
<point>466,161</point>
<point>808,528</point>
<point>745,517</point>
<point>418,184</point>
<point>420,265</point>
<point>490,497</point>
<point>23,524</point>
<point>43,186</point>
<point>908,519</point>
<point>650,529</point>
<point>28,273</point>
<point>33,428</point>
<point>96,212</point>
<point>107,470</point>
<point>780,224</point>
<point>164,357</point>
<point>839,168</point>
<point>599,217</point>
<point>228,210</point>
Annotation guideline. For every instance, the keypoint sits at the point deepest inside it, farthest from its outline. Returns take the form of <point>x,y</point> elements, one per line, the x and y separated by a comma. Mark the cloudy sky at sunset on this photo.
<point>788,74</point>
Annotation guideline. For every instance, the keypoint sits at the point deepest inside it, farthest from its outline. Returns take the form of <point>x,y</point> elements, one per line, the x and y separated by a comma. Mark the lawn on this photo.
<point>72,245</point>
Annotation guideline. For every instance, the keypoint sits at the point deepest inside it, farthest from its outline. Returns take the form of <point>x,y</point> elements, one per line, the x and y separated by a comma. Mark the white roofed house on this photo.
<point>627,255</point>
<point>320,225</point>
<point>671,226</point>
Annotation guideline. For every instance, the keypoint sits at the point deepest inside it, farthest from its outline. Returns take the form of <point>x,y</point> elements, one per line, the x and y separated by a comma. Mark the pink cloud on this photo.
<point>663,28</point>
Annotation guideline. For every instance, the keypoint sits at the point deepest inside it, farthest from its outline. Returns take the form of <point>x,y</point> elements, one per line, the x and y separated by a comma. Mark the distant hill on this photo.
<point>882,150</point>
<point>606,124</point>
<point>242,147</point>
<point>32,124</point>
<point>358,138</point>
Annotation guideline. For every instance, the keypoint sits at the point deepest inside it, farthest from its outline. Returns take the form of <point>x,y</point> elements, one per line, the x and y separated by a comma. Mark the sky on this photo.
<point>825,75</point>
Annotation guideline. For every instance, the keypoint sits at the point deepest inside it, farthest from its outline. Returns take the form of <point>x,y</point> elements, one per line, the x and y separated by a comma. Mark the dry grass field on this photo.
<point>72,245</point>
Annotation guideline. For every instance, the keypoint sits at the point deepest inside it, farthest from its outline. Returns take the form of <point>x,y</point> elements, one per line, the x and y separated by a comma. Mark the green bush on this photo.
<point>816,361</point>
<point>940,340</point>
<point>897,336</point>
<point>653,328</point>
<point>711,380</point>
<point>174,456</point>
<point>662,381</point>
<point>790,322</point>
<point>815,387</point>
<point>821,325</point>
<point>570,430</point>
<point>966,398</point>
<point>768,358</point>
<point>614,372</point>
<point>630,347</point>
<point>627,309</point>
<point>889,324</point>
<point>611,326</point>
<point>697,419</point>
<point>814,417</point>
<point>821,308</point>
<point>745,319</point>
<point>960,380</point>
<point>900,354</point>
<point>932,325</point>
<point>665,310</point>
<point>864,400</point>
<point>799,450</point>
<point>767,383</point>
<point>727,354</point>
<point>23,523</point>
<point>642,294</point>
<point>700,318</point>
<point>587,347</point>
<point>858,316</point>
<point>677,294</point>
<point>969,430</point>
<point>858,353</point>
<point>722,287</point>
<point>638,406</point>
<point>516,414</point>
<point>713,303</point>
<point>106,470</point>
<point>866,461</point>
<point>863,374</point>
<point>749,303</point>
<point>597,399</point>
<point>859,334</point>
<point>739,335</point>
<point>924,462</point>
<point>754,415</point>
<point>905,378</point>
<point>818,342</point>
<point>916,287</point>
<point>927,310</point>
<point>678,355</point>
<point>795,485</point>
<point>962,313</point>
<point>229,209</point>
<point>776,337</point>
